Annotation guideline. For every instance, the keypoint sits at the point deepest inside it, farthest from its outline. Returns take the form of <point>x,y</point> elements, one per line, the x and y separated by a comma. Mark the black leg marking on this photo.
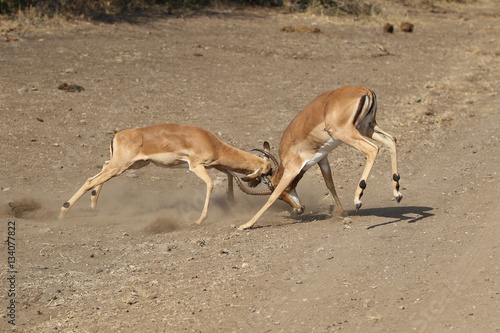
<point>94,192</point>
<point>362,185</point>
<point>66,204</point>
<point>396,178</point>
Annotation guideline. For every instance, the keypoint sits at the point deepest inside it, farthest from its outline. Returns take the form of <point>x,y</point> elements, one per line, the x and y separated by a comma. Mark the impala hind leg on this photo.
<point>287,178</point>
<point>94,195</point>
<point>389,141</point>
<point>106,174</point>
<point>326,171</point>
<point>201,172</point>
<point>354,139</point>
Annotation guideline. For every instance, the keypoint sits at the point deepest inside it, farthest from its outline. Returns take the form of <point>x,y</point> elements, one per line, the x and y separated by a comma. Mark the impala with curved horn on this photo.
<point>176,145</point>
<point>345,115</point>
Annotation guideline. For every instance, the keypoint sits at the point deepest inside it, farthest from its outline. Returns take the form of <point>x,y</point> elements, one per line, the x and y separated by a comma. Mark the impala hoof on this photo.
<point>358,205</point>
<point>399,197</point>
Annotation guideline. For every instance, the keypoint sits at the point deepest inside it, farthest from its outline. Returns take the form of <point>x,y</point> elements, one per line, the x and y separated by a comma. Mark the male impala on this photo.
<point>343,115</point>
<point>175,145</point>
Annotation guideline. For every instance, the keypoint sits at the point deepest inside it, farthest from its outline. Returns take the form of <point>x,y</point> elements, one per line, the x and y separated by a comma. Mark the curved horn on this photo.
<point>270,156</point>
<point>245,189</point>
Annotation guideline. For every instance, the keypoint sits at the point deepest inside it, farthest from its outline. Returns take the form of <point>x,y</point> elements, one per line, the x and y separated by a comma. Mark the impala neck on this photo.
<point>239,161</point>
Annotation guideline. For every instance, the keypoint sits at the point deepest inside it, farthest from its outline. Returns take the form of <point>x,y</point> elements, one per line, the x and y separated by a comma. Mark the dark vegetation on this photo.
<point>102,8</point>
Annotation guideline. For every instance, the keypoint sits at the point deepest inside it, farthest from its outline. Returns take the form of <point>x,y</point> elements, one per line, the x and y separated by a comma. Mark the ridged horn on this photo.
<point>270,156</point>
<point>247,190</point>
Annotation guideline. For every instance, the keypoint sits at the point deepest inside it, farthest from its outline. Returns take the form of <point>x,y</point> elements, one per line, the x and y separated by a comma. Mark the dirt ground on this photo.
<point>139,263</point>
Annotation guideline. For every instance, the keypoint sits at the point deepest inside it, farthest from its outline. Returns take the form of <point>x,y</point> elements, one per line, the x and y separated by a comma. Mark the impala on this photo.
<point>175,145</point>
<point>343,115</point>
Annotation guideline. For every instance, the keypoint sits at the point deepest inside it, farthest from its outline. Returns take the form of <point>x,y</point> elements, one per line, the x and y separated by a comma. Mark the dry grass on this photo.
<point>93,8</point>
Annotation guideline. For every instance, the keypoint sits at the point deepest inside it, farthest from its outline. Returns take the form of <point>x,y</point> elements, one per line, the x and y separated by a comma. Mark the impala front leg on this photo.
<point>230,192</point>
<point>201,172</point>
<point>283,184</point>
<point>326,171</point>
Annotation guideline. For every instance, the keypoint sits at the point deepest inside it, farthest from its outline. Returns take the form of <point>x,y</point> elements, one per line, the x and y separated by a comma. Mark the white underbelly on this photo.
<point>322,152</point>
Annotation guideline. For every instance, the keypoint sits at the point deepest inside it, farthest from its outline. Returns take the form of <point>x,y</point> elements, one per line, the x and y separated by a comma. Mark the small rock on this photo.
<point>70,87</point>
<point>388,28</point>
<point>70,71</point>
<point>23,90</point>
<point>132,299</point>
<point>245,265</point>
<point>406,27</point>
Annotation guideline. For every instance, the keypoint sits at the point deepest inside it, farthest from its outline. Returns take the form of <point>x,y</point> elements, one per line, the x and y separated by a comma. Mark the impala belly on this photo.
<point>327,148</point>
<point>169,160</point>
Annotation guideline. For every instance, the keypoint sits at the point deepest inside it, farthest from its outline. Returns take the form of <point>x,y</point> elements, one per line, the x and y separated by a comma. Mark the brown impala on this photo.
<point>176,145</point>
<point>342,115</point>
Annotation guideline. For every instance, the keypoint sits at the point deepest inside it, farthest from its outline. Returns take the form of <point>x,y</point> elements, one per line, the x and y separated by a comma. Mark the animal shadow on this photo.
<point>411,214</point>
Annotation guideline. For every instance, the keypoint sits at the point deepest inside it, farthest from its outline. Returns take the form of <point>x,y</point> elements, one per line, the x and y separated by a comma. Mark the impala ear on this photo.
<point>267,147</point>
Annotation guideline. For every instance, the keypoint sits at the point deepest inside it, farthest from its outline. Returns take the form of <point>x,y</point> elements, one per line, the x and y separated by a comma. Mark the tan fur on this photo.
<point>173,145</point>
<point>331,115</point>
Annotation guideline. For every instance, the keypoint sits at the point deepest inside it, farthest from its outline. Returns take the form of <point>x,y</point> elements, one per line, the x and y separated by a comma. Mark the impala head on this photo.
<point>291,198</point>
<point>263,172</point>
<point>271,178</point>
